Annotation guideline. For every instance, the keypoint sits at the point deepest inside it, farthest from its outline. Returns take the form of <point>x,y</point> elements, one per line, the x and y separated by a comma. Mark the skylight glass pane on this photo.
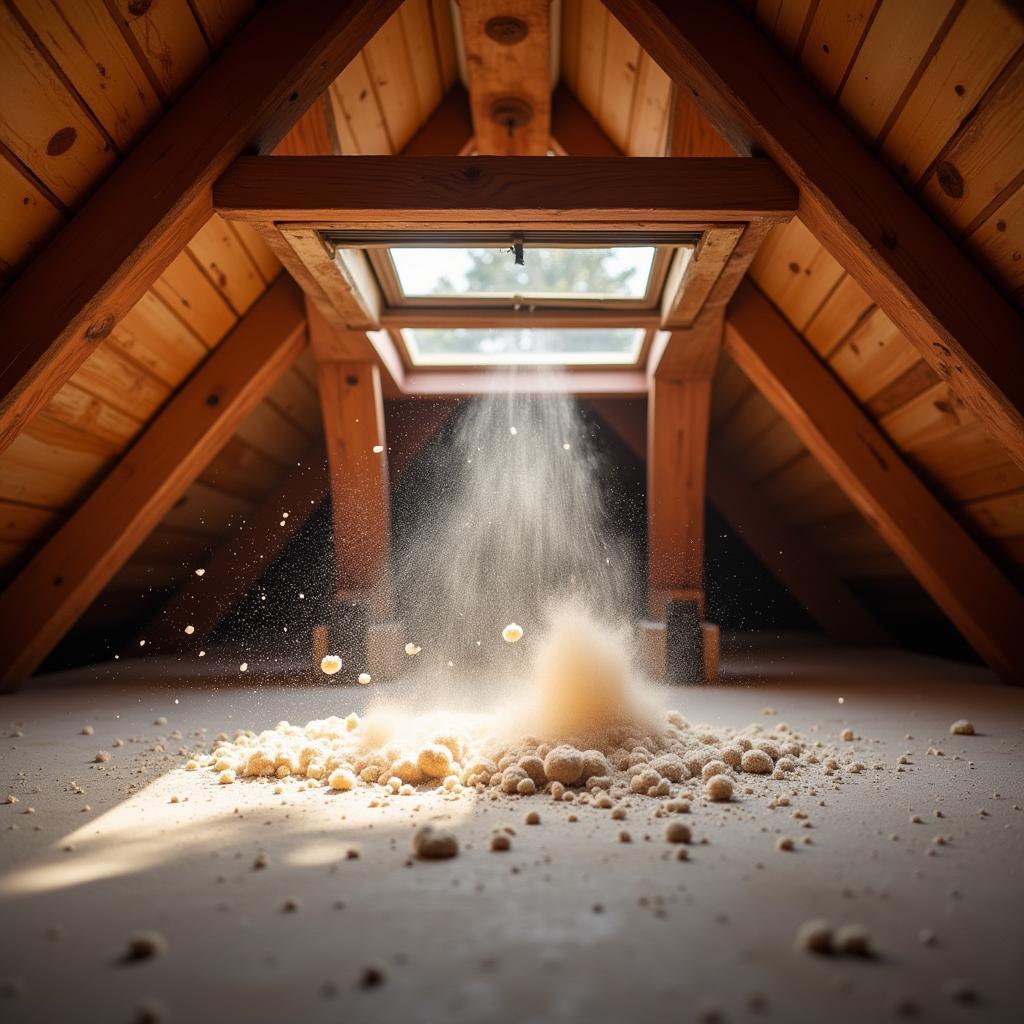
<point>514,346</point>
<point>620,272</point>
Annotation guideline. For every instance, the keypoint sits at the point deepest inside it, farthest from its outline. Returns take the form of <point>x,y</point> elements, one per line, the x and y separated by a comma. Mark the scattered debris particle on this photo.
<point>412,650</point>
<point>430,843</point>
<point>102,756</point>
<point>144,945</point>
<point>364,679</point>
<point>962,727</point>
<point>853,940</point>
<point>372,976</point>
<point>677,832</point>
<point>87,730</point>
<point>718,788</point>
<point>532,818</point>
<point>784,843</point>
<point>500,841</point>
<point>329,664</point>
<point>512,632</point>
<point>814,937</point>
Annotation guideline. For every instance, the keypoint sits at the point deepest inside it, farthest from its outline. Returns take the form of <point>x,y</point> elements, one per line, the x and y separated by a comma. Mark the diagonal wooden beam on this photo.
<point>790,557</point>
<point>50,593</point>
<point>241,558</point>
<point>979,600</point>
<point>70,298</point>
<point>969,334</point>
<point>780,547</point>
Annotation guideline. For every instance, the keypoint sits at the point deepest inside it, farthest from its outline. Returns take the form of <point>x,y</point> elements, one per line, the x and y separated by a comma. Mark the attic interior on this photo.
<point>511,510</point>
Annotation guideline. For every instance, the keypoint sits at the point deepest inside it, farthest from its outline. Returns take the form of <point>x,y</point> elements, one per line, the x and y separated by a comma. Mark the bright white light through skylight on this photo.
<point>514,346</point>
<point>621,272</point>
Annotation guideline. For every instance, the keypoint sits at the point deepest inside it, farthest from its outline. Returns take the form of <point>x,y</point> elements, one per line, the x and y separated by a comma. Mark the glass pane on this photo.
<point>506,346</point>
<point>621,272</point>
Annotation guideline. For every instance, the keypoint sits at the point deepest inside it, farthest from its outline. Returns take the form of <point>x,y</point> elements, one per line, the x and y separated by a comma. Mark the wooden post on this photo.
<point>677,425</point>
<point>353,410</point>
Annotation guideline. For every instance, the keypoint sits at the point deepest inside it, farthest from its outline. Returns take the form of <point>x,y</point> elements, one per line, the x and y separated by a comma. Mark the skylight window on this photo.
<point>612,273</point>
<point>515,346</point>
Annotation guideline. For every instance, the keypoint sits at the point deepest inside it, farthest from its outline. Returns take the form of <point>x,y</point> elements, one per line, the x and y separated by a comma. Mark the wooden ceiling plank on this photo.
<point>500,69</point>
<point>46,598</point>
<point>27,217</point>
<point>440,190</point>
<point>930,289</point>
<point>962,580</point>
<point>192,295</point>
<point>574,131</point>
<point>169,39</point>
<point>159,196</point>
<point>42,123</point>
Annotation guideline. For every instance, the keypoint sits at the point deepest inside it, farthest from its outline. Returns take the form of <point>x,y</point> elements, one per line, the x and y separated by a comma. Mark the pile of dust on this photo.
<point>586,730</point>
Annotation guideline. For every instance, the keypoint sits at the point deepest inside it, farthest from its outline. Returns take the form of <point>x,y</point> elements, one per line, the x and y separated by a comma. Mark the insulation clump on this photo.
<point>330,664</point>
<point>430,843</point>
<point>757,762</point>
<point>962,727</point>
<point>718,788</point>
<point>512,632</point>
<point>564,764</point>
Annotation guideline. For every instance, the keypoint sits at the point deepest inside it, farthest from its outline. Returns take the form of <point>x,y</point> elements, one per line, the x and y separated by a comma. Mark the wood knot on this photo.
<point>506,30</point>
<point>100,329</point>
<point>794,268</point>
<point>950,180</point>
<point>61,141</point>
<point>137,8</point>
<point>213,400</point>
<point>472,173</point>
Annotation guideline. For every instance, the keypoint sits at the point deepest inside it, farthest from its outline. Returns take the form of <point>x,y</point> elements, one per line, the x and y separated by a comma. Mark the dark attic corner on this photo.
<point>511,511</point>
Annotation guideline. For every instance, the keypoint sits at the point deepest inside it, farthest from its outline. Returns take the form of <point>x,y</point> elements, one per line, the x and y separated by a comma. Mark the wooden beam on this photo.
<point>70,297</point>
<point>930,288</point>
<point>428,191</point>
<point>789,556</point>
<point>46,598</point>
<point>353,413</point>
<point>448,131</point>
<point>979,600</point>
<point>241,558</point>
<point>508,70</point>
<point>780,547</point>
<point>573,131</point>
<point>677,436</point>
<point>578,382</point>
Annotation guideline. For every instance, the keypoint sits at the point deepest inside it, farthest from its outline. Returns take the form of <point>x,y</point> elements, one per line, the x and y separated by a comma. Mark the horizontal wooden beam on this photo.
<point>70,297</point>
<point>580,383</point>
<point>241,558</point>
<point>962,580</point>
<point>50,593</point>
<point>430,191</point>
<point>789,556</point>
<point>929,287</point>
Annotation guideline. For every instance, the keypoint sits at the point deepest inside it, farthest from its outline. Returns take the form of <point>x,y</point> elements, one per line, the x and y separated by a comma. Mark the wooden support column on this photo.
<point>53,590</point>
<point>979,600</point>
<point>677,435</point>
<point>928,286</point>
<point>508,66</point>
<point>73,294</point>
<point>353,411</point>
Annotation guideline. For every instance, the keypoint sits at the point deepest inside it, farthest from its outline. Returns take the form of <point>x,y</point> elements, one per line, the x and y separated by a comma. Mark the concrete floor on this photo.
<point>507,936</point>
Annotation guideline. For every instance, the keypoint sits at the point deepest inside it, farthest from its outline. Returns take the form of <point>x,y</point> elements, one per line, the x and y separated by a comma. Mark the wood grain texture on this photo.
<point>960,577</point>
<point>497,71</point>
<point>353,411</point>
<point>50,593</point>
<point>439,190</point>
<point>154,202</point>
<point>928,287</point>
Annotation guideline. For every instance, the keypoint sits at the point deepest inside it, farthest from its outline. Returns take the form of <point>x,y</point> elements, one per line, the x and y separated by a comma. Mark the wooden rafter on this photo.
<point>50,593</point>
<point>935,294</point>
<point>780,547</point>
<point>508,68</point>
<point>426,192</point>
<point>789,556</point>
<point>135,224</point>
<point>980,601</point>
<point>202,602</point>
